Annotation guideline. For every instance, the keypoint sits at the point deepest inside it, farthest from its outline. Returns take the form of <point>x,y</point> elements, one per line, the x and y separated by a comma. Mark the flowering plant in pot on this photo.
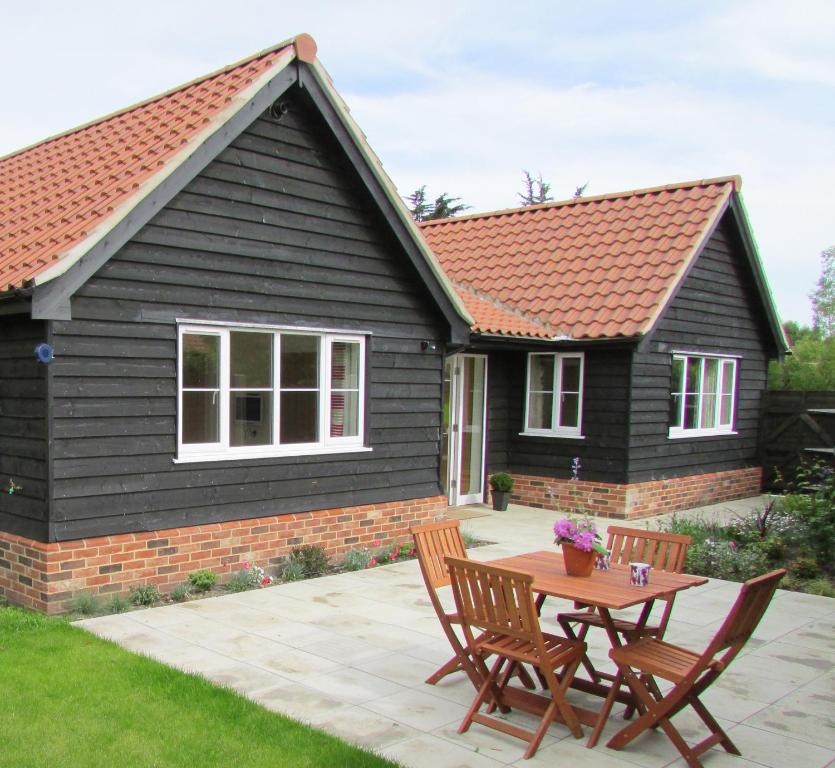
<point>580,543</point>
<point>501,484</point>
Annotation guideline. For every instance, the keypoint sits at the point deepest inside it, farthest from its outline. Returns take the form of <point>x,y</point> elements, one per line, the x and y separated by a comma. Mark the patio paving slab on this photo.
<point>349,653</point>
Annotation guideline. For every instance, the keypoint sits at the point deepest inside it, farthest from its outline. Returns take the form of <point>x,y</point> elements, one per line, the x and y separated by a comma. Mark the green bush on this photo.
<point>805,567</point>
<point>293,571</point>
<point>356,560</point>
<point>502,482</point>
<point>183,591</point>
<point>117,604</point>
<point>87,604</point>
<point>202,580</point>
<point>146,594</point>
<point>312,558</point>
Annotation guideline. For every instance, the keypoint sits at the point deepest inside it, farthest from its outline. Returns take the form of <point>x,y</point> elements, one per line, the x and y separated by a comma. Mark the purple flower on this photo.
<point>565,529</point>
<point>584,540</point>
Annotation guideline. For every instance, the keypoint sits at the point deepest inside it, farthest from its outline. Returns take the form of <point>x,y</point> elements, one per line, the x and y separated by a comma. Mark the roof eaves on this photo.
<point>71,257</point>
<point>388,188</point>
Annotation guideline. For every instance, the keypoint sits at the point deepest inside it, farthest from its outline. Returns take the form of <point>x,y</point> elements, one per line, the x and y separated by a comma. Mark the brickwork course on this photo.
<point>46,577</point>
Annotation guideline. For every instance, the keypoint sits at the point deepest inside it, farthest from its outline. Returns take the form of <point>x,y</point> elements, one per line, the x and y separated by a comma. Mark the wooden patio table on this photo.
<point>604,591</point>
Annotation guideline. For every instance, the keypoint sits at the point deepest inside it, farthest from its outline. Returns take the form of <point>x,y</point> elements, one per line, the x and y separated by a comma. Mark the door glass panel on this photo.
<point>449,364</point>
<point>472,425</point>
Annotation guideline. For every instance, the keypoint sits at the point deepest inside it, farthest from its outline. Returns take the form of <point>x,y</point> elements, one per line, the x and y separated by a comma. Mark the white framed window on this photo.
<point>702,395</point>
<point>554,394</point>
<point>257,391</point>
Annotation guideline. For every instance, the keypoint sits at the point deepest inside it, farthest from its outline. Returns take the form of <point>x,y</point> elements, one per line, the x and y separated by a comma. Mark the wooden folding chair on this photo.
<point>641,661</point>
<point>500,602</point>
<point>433,542</point>
<point>664,552</point>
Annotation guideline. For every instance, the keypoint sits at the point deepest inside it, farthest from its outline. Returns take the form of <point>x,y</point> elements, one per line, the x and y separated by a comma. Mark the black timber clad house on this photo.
<point>636,442</point>
<point>276,256</point>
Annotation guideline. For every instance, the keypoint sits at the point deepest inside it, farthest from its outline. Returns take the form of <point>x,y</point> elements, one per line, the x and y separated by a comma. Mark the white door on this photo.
<point>465,408</point>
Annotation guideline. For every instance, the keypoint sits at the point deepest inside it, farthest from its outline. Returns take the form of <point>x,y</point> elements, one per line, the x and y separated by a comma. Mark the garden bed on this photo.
<point>794,530</point>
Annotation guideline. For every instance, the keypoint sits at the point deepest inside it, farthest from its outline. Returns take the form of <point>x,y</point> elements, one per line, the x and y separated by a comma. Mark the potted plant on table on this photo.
<point>501,484</point>
<point>580,543</point>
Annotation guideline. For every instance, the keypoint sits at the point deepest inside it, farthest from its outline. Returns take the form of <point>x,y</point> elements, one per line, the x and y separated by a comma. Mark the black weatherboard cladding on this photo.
<point>23,428</point>
<point>605,407</point>
<point>717,309</point>
<point>276,230</point>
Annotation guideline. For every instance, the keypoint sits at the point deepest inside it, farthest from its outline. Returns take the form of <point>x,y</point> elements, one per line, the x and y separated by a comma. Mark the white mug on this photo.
<point>639,574</point>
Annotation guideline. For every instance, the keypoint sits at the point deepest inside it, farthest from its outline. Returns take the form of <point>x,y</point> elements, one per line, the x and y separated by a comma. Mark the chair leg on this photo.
<point>603,716</point>
<point>488,688</point>
<point>647,720</point>
<point>453,665</point>
<point>713,726</point>
<point>569,632</point>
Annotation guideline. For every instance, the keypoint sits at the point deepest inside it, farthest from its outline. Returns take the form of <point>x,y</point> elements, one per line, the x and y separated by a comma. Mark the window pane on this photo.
<point>676,382</point>
<point>299,417</point>
<point>200,361</point>
<point>251,360</point>
<point>542,373</point>
<point>200,417</point>
<point>727,378</point>
<point>570,410</point>
<point>299,362</point>
<point>540,410</point>
<point>694,374</point>
<point>250,418</point>
<point>691,411</point>
<point>675,410</point>
<point>571,374</point>
<point>345,365</point>
<point>725,417</point>
<point>709,383</point>
<point>345,414</point>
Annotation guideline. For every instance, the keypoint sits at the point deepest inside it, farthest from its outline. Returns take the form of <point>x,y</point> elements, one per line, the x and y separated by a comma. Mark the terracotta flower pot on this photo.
<point>577,562</point>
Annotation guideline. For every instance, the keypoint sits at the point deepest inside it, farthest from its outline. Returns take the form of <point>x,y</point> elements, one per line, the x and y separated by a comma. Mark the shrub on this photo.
<point>87,604</point>
<point>805,568</point>
<point>356,560</point>
<point>117,604</point>
<point>183,591</point>
<point>313,559</point>
<point>146,594</point>
<point>202,580</point>
<point>293,571</point>
<point>502,482</point>
<point>249,577</point>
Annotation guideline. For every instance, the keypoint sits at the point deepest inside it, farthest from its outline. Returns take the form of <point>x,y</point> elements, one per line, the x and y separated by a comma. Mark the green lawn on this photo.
<point>70,699</point>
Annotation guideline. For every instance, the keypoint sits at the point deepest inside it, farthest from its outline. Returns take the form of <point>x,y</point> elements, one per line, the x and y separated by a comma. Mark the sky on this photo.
<point>462,96</point>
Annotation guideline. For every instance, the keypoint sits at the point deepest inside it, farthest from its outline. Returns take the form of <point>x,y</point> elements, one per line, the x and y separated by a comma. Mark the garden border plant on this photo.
<point>795,530</point>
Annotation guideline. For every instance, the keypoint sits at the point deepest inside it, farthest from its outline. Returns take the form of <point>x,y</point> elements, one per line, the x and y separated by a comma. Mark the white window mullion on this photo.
<point>276,389</point>
<point>225,375</point>
<point>556,414</point>
<point>683,390</point>
<point>324,389</point>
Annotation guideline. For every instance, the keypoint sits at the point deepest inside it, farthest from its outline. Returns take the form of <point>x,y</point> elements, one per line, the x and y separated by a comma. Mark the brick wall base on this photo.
<point>635,500</point>
<point>47,577</point>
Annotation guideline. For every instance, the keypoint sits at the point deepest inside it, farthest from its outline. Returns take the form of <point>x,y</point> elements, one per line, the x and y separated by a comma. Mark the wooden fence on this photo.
<point>794,426</point>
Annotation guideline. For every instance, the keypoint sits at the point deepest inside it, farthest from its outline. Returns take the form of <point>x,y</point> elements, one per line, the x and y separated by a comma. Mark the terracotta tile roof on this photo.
<point>495,319</point>
<point>597,267</point>
<point>59,193</point>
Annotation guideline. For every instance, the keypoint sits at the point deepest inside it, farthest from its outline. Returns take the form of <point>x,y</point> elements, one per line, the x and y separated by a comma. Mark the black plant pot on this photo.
<point>500,500</point>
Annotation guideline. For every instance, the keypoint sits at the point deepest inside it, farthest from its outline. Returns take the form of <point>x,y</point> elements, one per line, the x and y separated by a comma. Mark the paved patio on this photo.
<point>349,653</point>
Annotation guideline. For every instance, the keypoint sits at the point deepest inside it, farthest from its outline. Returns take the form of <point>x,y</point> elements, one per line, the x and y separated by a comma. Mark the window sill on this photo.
<point>568,435</point>
<point>272,454</point>
<point>679,435</point>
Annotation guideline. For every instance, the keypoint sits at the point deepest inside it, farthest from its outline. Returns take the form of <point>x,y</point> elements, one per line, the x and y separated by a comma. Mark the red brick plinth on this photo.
<point>47,577</point>
<point>636,500</point>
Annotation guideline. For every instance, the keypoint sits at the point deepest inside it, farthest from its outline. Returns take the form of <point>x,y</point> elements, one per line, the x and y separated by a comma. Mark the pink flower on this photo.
<point>265,580</point>
<point>375,543</point>
<point>373,561</point>
<point>246,565</point>
<point>732,544</point>
<point>411,552</point>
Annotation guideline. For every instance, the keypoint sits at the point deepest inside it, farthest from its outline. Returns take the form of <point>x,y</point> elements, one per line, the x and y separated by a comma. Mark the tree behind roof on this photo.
<point>535,190</point>
<point>823,297</point>
<point>444,206</point>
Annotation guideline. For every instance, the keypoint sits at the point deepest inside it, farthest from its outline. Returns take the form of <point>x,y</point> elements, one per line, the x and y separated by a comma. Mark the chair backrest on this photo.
<point>744,616</point>
<point>663,551</point>
<point>494,599</point>
<point>433,542</point>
